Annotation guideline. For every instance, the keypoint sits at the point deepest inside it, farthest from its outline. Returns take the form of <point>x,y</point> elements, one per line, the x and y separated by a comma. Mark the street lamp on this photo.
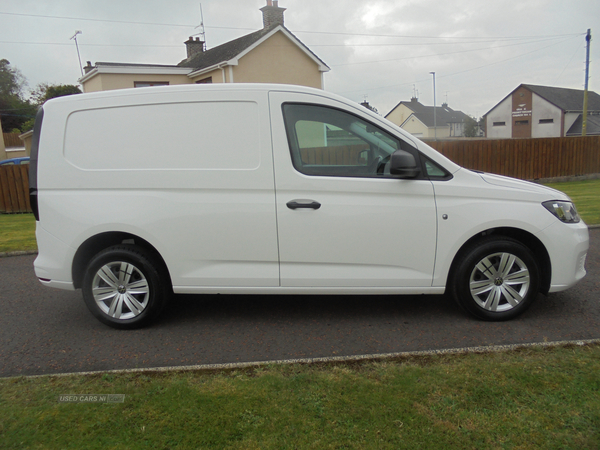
<point>434,115</point>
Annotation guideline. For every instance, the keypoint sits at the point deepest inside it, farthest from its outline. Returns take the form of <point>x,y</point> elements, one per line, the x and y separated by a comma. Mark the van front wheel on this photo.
<point>496,279</point>
<point>122,287</point>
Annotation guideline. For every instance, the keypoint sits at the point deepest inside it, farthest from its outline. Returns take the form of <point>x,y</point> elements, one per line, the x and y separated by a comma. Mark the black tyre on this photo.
<point>123,287</point>
<point>496,279</point>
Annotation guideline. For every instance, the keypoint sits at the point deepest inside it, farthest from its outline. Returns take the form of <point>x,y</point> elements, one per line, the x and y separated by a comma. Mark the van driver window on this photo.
<point>330,142</point>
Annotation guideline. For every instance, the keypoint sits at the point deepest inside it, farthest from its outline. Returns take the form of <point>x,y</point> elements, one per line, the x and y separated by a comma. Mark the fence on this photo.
<point>528,159</point>
<point>12,140</point>
<point>14,189</point>
<point>338,155</point>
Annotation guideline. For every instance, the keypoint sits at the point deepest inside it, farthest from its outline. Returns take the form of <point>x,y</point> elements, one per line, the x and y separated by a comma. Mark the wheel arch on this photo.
<point>525,238</point>
<point>99,242</point>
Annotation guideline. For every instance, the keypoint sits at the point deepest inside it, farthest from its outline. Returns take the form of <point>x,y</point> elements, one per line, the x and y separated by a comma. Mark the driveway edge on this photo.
<point>18,253</point>
<point>330,359</point>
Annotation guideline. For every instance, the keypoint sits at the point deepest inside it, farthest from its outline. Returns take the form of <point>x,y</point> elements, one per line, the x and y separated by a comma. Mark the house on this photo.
<point>27,138</point>
<point>11,146</point>
<point>369,107</point>
<point>270,55</point>
<point>532,111</point>
<point>419,120</point>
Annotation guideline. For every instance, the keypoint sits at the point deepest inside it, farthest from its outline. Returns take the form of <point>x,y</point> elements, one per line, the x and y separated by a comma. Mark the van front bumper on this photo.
<point>568,245</point>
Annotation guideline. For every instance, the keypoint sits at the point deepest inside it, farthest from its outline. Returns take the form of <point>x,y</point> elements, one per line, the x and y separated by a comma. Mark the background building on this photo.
<point>270,55</point>
<point>419,121</point>
<point>542,111</point>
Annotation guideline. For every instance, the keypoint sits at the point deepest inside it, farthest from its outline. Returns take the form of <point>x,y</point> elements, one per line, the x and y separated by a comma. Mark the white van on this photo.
<point>272,189</point>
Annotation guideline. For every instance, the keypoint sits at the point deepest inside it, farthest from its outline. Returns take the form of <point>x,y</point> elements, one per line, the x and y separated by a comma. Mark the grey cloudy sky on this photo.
<point>382,49</point>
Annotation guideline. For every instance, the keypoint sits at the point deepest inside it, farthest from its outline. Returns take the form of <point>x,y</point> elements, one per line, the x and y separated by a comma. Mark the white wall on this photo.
<point>457,129</point>
<point>501,113</point>
<point>543,110</point>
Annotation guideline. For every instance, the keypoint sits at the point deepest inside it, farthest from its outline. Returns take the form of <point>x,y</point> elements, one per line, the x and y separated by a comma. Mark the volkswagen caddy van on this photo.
<point>274,189</point>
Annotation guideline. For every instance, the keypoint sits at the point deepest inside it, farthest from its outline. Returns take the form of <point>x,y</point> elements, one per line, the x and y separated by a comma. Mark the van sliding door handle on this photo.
<point>307,204</point>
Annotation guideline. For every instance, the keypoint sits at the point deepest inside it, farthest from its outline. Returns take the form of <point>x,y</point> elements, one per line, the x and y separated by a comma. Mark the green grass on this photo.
<point>524,399</point>
<point>534,398</point>
<point>585,195</point>
<point>17,232</point>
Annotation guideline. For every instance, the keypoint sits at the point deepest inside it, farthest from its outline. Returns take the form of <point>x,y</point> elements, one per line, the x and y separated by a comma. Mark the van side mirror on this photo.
<point>404,165</point>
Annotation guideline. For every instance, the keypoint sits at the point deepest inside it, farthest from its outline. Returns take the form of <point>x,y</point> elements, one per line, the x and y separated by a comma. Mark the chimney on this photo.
<point>89,67</point>
<point>194,47</point>
<point>369,107</point>
<point>272,14</point>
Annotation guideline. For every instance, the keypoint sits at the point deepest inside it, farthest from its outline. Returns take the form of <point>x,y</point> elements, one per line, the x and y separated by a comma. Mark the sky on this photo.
<point>382,51</point>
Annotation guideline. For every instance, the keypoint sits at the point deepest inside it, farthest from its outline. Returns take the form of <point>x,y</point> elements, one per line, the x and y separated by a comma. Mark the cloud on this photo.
<point>382,49</point>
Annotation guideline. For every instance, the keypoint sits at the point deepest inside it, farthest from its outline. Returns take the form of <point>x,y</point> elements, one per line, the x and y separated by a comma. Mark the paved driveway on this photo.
<point>44,331</point>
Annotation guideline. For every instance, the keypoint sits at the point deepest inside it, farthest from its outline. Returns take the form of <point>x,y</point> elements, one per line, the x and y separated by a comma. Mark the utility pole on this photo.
<point>588,38</point>
<point>434,115</point>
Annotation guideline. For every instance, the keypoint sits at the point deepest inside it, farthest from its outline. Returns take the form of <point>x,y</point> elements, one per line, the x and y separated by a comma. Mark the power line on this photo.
<point>333,33</point>
<point>315,45</point>
<point>309,45</point>
<point>444,54</point>
<point>569,63</point>
<point>94,20</point>
<point>460,72</point>
<point>511,38</point>
<point>89,45</point>
<point>414,44</point>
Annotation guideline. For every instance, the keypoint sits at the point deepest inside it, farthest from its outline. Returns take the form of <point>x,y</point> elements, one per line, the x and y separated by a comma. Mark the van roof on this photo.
<point>178,88</point>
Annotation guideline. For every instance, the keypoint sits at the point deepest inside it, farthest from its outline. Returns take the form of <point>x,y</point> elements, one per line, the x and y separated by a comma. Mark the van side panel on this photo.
<point>176,136</point>
<point>179,171</point>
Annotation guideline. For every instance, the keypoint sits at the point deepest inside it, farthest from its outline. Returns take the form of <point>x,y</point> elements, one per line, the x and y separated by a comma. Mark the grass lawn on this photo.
<point>529,398</point>
<point>586,195</point>
<point>524,399</point>
<point>17,232</point>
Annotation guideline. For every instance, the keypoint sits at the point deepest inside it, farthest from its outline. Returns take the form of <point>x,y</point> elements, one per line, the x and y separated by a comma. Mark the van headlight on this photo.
<point>564,211</point>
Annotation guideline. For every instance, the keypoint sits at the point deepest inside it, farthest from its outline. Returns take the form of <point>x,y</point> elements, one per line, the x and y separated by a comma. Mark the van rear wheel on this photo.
<point>496,279</point>
<point>122,287</point>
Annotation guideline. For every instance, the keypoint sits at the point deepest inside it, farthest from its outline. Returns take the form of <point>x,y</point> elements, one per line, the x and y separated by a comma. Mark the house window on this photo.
<point>546,120</point>
<point>205,81</point>
<point>521,122</point>
<point>499,124</point>
<point>149,83</point>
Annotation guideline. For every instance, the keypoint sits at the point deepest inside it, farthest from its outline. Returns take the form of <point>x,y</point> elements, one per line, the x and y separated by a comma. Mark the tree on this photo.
<point>481,124</point>
<point>471,128</point>
<point>44,92</point>
<point>14,109</point>
<point>12,80</point>
<point>18,113</point>
<point>38,94</point>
